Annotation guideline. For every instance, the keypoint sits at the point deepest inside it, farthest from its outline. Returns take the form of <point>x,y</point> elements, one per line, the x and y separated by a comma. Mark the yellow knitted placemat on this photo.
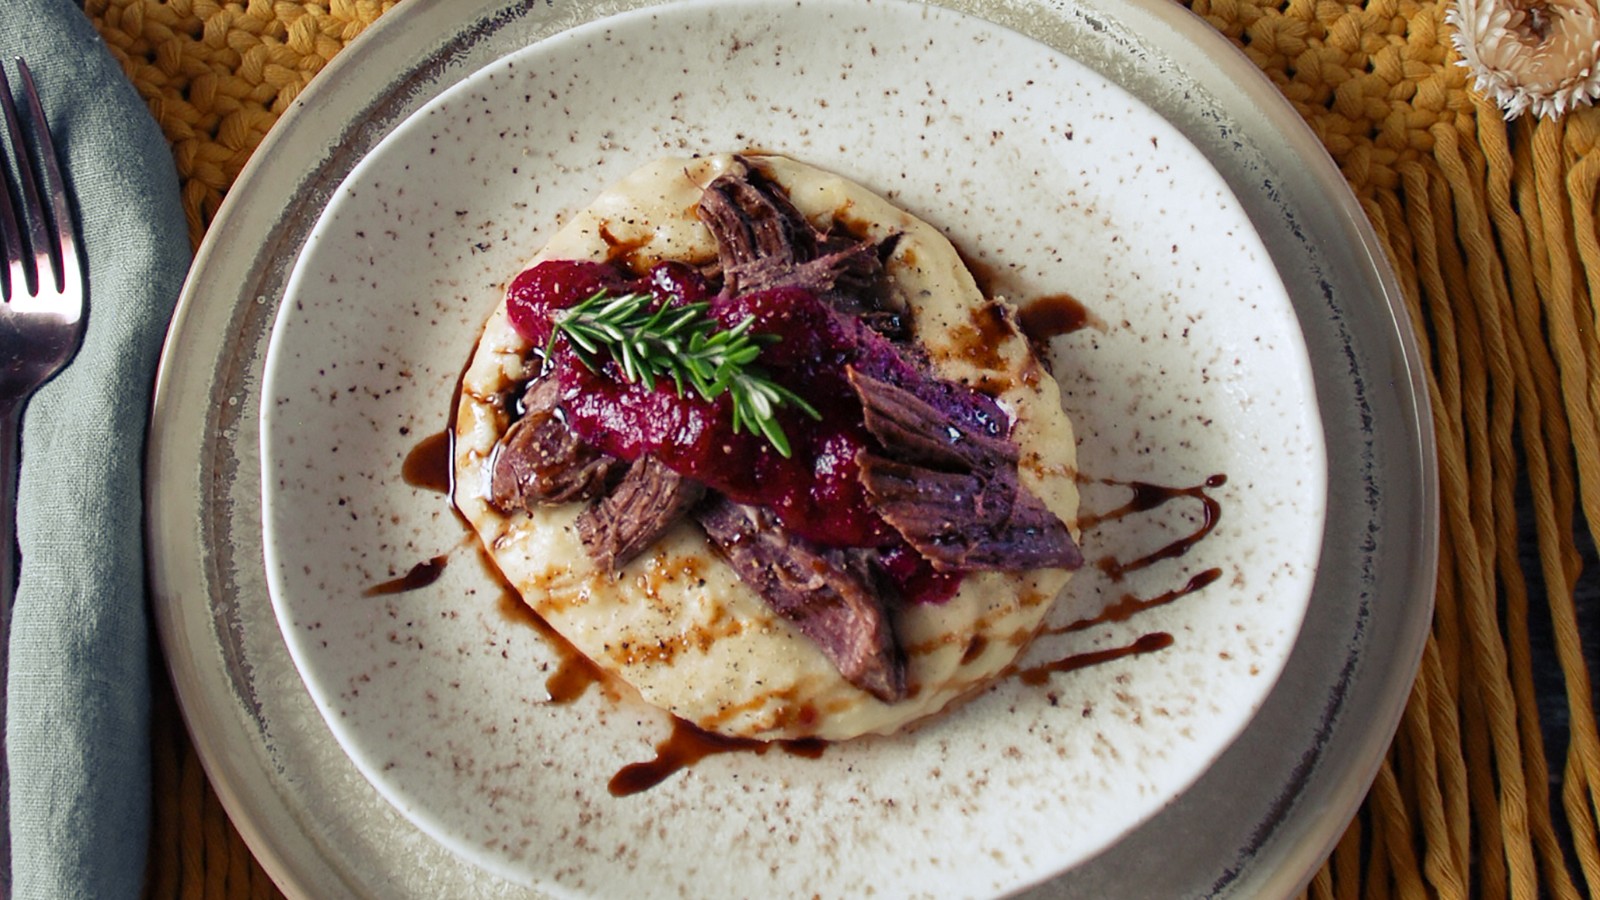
<point>1492,786</point>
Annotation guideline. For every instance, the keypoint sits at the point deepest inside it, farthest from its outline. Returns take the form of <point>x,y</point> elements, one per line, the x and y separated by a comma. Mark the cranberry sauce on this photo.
<point>816,492</point>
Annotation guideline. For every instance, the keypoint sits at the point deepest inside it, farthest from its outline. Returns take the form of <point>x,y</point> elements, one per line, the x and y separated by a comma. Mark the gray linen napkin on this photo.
<point>78,690</point>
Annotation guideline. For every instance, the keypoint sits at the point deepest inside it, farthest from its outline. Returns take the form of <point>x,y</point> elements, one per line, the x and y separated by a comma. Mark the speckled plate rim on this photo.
<point>1256,824</point>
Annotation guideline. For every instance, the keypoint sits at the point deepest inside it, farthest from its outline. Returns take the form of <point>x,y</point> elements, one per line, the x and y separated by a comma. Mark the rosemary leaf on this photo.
<point>682,344</point>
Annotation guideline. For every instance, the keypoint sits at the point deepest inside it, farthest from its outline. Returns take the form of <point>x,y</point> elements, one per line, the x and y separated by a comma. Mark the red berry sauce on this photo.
<point>816,492</point>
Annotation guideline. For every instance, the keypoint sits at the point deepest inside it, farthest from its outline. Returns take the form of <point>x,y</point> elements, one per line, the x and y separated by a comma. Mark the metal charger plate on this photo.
<point>1256,824</point>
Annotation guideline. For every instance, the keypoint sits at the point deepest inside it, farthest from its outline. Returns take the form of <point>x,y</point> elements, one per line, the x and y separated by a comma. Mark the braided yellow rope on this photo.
<point>218,75</point>
<point>1492,231</point>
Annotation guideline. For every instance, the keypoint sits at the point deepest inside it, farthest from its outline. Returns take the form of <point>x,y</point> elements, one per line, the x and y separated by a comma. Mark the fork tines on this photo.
<point>34,220</point>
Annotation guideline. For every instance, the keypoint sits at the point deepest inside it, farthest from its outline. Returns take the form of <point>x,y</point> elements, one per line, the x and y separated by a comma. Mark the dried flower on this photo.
<point>1530,55</point>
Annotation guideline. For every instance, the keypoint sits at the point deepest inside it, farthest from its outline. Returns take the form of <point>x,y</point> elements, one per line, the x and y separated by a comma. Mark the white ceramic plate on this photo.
<point>323,757</point>
<point>1055,181</point>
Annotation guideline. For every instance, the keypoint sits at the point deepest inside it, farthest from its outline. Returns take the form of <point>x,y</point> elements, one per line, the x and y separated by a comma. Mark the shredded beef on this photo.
<point>643,505</point>
<point>936,427</point>
<point>756,227</point>
<point>969,522</point>
<point>540,461</point>
<point>951,489</point>
<point>829,594</point>
<point>764,242</point>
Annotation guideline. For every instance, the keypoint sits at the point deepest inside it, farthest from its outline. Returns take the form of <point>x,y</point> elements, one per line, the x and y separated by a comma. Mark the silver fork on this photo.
<point>41,325</point>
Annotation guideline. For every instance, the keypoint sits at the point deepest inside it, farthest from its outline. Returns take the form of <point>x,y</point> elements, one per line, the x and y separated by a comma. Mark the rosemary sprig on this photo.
<point>683,344</point>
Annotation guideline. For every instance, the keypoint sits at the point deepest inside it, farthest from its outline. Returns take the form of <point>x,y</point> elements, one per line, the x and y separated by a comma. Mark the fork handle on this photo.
<point>10,457</point>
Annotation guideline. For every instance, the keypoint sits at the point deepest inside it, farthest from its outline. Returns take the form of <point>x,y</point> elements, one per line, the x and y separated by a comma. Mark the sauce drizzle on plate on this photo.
<point>1147,497</point>
<point>428,466</point>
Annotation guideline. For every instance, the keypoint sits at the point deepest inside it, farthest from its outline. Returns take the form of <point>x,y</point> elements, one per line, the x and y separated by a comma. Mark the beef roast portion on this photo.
<point>540,461</point>
<point>951,489</point>
<point>643,505</point>
<point>966,521</point>
<point>843,276</point>
<point>933,426</point>
<point>764,242</point>
<point>756,228</point>
<point>828,594</point>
